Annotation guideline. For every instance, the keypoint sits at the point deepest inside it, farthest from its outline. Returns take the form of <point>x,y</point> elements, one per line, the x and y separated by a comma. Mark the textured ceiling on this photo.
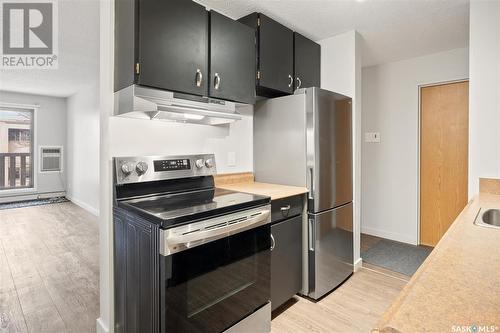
<point>391,30</point>
<point>78,28</point>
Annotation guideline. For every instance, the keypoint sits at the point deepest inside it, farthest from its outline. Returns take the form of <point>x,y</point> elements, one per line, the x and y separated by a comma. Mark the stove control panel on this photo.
<point>172,165</point>
<point>153,168</point>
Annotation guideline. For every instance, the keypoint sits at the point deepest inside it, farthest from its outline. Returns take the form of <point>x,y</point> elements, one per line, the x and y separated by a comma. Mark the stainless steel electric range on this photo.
<point>188,257</point>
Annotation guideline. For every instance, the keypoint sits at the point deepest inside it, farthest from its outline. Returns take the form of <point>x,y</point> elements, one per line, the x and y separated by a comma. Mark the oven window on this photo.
<point>211,287</point>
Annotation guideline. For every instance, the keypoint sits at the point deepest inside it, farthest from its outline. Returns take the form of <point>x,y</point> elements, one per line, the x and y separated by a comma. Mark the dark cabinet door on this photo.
<point>307,62</point>
<point>125,57</point>
<point>275,56</point>
<point>136,265</point>
<point>286,260</point>
<point>173,45</point>
<point>232,60</point>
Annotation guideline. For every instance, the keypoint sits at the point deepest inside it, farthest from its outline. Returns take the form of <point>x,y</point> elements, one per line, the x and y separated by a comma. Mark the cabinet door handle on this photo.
<point>273,242</point>
<point>299,83</point>
<point>199,77</point>
<point>290,78</point>
<point>217,81</point>
<point>285,210</point>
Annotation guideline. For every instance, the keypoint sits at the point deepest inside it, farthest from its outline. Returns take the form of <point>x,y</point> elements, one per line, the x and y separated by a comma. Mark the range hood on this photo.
<point>148,103</point>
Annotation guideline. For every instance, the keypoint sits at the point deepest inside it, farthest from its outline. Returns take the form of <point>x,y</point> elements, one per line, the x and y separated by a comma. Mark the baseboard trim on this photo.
<point>101,327</point>
<point>358,264</point>
<point>30,196</point>
<point>388,235</point>
<point>85,206</point>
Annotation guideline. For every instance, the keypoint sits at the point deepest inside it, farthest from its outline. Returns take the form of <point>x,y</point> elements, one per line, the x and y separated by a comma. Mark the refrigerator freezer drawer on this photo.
<point>330,249</point>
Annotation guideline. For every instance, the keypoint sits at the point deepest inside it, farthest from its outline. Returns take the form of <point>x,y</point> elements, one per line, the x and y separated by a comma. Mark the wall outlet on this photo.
<point>231,158</point>
<point>372,137</point>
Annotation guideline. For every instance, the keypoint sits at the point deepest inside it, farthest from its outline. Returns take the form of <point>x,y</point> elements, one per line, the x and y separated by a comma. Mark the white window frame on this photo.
<point>34,189</point>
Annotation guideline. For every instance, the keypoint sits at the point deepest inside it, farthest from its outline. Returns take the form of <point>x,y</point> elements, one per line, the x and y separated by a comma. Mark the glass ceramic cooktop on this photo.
<point>180,207</point>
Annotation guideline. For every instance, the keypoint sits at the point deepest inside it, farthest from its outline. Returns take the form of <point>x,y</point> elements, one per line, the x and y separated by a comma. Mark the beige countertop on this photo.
<point>458,285</point>
<point>243,182</point>
<point>274,191</point>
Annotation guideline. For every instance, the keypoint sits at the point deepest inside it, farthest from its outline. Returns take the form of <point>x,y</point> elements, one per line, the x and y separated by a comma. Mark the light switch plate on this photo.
<point>372,137</point>
<point>231,158</point>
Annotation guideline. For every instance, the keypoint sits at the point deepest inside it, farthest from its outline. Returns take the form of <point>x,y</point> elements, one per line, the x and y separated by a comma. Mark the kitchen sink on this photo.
<point>488,218</point>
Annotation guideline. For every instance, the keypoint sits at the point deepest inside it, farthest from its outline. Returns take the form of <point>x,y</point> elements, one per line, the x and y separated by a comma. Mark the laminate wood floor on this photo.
<point>49,280</point>
<point>49,269</point>
<point>356,306</point>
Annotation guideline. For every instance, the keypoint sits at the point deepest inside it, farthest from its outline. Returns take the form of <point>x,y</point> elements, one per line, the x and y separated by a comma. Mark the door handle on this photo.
<point>311,189</point>
<point>217,81</point>
<point>290,78</point>
<point>258,220</point>
<point>199,77</point>
<point>273,242</point>
<point>312,235</point>
<point>299,82</point>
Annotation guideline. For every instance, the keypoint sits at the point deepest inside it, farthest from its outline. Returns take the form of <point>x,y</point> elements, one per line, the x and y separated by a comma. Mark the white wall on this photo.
<point>137,137</point>
<point>390,168</point>
<point>83,148</point>
<point>50,130</point>
<point>104,323</point>
<point>484,92</point>
<point>341,72</point>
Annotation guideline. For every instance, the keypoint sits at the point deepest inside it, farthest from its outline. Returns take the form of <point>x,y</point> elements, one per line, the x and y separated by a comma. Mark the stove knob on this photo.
<point>141,168</point>
<point>209,163</point>
<point>199,163</point>
<point>127,168</point>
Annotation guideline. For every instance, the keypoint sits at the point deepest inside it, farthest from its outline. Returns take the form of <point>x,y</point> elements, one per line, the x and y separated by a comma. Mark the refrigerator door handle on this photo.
<point>311,182</point>
<point>312,235</point>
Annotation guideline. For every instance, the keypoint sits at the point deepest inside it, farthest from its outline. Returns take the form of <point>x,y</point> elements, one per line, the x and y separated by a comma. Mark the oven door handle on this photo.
<point>216,233</point>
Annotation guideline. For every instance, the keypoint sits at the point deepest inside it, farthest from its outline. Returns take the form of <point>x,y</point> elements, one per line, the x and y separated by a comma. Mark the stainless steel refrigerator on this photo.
<point>306,140</point>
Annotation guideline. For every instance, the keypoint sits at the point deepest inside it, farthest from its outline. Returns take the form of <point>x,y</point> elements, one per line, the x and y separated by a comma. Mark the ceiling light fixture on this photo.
<point>193,116</point>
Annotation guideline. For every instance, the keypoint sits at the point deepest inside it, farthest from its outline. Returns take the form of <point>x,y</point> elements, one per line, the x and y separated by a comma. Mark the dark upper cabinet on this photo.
<point>307,62</point>
<point>125,57</point>
<point>173,45</point>
<point>177,45</point>
<point>274,55</point>
<point>232,60</point>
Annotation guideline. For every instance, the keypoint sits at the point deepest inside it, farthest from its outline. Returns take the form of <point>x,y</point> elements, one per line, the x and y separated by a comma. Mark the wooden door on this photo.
<point>232,59</point>
<point>444,140</point>
<point>307,62</point>
<point>173,45</point>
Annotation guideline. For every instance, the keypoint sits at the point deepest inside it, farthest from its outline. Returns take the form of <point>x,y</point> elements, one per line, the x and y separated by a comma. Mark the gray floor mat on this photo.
<point>395,256</point>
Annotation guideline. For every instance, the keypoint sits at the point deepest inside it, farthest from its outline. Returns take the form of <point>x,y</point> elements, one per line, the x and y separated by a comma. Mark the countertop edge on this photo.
<point>466,216</point>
